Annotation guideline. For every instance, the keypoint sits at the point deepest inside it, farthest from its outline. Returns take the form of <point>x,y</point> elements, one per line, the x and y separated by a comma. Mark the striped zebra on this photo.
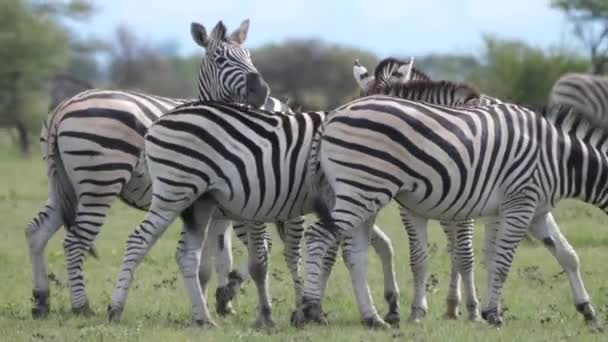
<point>388,71</point>
<point>168,141</point>
<point>587,93</point>
<point>92,145</point>
<point>449,163</point>
<point>398,78</point>
<point>234,163</point>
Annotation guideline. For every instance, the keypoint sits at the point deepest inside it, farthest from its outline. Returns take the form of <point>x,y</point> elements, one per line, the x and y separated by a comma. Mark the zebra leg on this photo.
<point>237,277</point>
<point>220,241</point>
<point>328,264</point>
<point>353,213</point>
<point>79,240</point>
<point>489,240</point>
<point>354,253</point>
<point>320,238</point>
<point>258,269</point>
<point>545,229</point>
<point>464,261</point>
<point>160,215</point>
<point>514,221</point>
<point>453,297</point>
<point>384,248</point>
<point>291,233</point>
<point>38,232</point>
<point>416,229</point>
<point>209,251</point>
<point>188,255</point>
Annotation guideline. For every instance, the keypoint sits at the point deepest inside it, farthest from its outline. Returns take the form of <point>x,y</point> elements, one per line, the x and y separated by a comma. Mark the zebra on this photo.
<point>453,163</point>
<point>388,71</point>
<point>167,141</point>
<point>91,143</point>
<point>394,77</point>
<point>587,93</point>
<point>239,157</point>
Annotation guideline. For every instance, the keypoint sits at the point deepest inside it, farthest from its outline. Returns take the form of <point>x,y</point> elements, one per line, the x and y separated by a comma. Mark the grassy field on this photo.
<point>537,295</point>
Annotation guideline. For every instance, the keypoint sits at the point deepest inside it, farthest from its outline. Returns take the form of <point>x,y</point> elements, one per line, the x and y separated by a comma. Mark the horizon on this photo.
<point>363,25</point>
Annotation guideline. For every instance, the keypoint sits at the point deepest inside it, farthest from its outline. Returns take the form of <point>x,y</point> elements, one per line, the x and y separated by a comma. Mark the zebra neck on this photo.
<point>208,86</point>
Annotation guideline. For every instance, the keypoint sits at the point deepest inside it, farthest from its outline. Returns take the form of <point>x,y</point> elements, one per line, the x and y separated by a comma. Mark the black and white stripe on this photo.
<point>587,93</point>
<point>214,160</point>
<point>455,163</point>
<point>92,144</point>
<point>459,234</point>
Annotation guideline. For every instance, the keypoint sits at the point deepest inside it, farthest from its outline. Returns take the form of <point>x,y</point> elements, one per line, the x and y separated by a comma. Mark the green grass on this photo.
<point>538,297</point>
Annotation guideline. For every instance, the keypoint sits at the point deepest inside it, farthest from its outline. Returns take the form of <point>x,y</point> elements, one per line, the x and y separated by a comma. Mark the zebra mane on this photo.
<point>199,102</point>
<point>416,89</point>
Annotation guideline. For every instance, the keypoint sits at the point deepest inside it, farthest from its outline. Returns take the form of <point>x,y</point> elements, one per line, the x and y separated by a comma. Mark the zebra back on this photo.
<point>436,92</point>
<point>587,93</point>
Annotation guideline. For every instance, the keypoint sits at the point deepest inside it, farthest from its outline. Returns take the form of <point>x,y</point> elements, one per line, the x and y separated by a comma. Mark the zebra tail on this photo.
<point>321,190</point>
<point>319,206</point>
<point>63,188</point>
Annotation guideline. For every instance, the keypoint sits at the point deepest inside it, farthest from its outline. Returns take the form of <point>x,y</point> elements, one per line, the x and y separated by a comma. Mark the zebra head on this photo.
<point>227,72</point>
<point>389,71</point>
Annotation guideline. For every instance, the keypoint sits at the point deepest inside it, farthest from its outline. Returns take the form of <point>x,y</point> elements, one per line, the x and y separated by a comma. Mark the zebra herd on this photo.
<point>440,149</point>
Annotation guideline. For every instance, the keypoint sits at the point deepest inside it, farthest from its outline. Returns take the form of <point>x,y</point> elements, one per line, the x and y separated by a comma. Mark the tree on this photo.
<point>589,19</point>
<point>514,71</point>
<point>32,47</point>
<point>139,65</point>
<point>449,67</point>
<point>310,73</point>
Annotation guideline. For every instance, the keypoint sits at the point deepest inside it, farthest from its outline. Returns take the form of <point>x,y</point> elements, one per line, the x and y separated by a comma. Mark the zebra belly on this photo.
<point>227,211</point>
<point>463,208</point>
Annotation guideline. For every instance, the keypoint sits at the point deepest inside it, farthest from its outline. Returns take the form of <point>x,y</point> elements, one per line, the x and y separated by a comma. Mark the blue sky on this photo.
<point>385,27</point>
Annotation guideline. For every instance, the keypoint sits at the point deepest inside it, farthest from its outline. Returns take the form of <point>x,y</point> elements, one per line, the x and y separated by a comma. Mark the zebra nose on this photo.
<point>257,89</point>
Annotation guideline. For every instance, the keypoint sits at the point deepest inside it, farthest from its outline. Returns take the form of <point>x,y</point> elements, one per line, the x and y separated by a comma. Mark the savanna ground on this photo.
<point>537,296</point>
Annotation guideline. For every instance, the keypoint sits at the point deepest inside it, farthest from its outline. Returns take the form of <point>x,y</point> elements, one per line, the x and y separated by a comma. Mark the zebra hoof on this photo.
<point>596,327</point>
<point>298,319</point>
<point>84,310</point>
<point>40,312</point>
<point>473,310</point>
<point>375,322</point>
<point>393,318</point>
<point>223,304</point>
<point>452,311</point>
<point>114,314</point>
<point>417,314</point>
<point>41,304</point>
<point>264,318</point>
<point>205,323</point>
<point>261,324</point>
<point>308,312</point>
<point>590,318</point>
<point>235,280</point>
<point>474,317</point>
<point>492,317</point>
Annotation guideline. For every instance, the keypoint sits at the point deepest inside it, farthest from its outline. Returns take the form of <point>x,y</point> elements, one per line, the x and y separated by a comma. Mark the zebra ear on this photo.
<point>406,69</point>
<point>362,77</point>
<point>239,35</point>
<point>199,34</point>
<point>219,31</point>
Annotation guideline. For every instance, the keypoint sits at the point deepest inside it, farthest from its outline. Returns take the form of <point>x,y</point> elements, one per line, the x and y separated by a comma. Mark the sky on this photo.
<point>385,27</point>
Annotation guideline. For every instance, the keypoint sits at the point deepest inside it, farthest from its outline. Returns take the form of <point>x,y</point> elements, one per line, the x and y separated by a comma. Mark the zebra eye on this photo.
<point>398,74</point>
<point>220,60</point>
